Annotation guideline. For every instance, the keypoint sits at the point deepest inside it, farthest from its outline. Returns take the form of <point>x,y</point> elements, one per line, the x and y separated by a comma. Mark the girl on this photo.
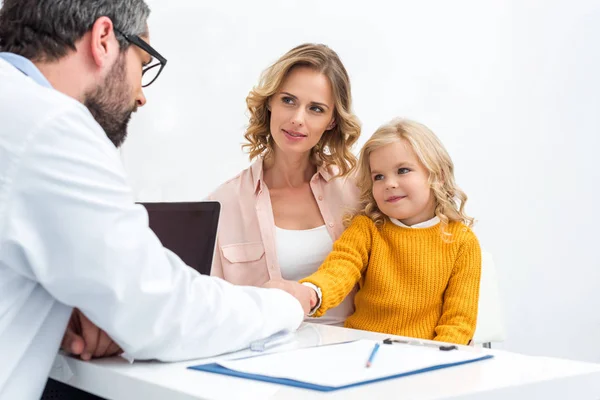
<point>409,247</point>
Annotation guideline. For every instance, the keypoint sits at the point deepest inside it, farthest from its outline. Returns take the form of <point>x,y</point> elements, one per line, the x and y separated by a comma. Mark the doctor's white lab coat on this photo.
<point>71,236</point>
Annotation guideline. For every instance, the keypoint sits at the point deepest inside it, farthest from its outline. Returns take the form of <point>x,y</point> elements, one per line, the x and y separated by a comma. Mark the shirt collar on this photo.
<point>257,173</point>
<point>326,173</point>
<point>426,224</point>
<point>26,67</point>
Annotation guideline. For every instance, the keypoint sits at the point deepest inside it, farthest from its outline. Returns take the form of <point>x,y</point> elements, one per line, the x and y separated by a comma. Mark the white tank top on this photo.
<point>300,253</point>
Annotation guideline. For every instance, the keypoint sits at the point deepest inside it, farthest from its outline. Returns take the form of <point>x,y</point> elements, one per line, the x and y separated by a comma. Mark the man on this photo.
<point>71,74</point>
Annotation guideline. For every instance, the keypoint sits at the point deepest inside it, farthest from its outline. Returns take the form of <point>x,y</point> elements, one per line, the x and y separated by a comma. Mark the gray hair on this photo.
<point>46,30</point>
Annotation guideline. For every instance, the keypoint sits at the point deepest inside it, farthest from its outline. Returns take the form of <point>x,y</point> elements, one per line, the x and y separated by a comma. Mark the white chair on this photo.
<point>490,321</point>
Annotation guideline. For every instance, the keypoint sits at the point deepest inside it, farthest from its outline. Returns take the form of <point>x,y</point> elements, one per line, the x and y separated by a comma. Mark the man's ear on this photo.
<point>103,44</point>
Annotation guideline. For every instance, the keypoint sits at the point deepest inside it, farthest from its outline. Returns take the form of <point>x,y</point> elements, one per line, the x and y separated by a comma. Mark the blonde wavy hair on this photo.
<point>449,198</point>
<point>335,145</point>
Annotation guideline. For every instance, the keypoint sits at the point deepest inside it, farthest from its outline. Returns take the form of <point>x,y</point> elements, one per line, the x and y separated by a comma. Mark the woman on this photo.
<point>279,217</point>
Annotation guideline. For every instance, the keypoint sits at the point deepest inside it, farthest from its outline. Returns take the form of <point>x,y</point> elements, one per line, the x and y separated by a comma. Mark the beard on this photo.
<point>110,103</point>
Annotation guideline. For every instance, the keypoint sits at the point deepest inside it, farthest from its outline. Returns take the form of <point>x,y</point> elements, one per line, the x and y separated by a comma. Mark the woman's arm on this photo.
<point>217,265</point>
<point>344,266</point>
<point>459,310</point>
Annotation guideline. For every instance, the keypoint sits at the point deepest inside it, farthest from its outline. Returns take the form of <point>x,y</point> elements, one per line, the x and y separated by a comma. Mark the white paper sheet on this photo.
<point>344,364</point>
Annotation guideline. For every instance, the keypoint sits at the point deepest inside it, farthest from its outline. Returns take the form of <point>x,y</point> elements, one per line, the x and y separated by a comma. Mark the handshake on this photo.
<point>304,294</point>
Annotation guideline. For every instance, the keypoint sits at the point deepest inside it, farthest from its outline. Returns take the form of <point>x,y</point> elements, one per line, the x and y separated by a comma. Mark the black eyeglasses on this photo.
<point>150,72</point>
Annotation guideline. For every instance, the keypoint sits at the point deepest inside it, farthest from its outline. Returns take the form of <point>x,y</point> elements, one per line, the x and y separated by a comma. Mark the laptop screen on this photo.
<point>187,229</point>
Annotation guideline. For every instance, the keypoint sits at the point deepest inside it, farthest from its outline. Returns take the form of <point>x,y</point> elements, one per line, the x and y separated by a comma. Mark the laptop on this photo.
<point>187,229</point>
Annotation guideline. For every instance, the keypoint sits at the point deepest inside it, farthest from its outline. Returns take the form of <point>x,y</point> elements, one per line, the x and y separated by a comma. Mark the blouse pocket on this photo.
<point>244,263</point>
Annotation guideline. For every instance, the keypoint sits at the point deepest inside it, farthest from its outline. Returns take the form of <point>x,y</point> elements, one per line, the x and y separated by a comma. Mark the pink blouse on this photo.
<point>245,253</point>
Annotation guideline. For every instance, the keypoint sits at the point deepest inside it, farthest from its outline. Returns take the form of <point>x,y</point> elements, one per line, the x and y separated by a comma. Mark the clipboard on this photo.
<point>349,358</point>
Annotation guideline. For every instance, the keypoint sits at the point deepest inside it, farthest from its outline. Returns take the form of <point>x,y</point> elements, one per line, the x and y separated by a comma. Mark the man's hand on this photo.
<point>83,338</point>
<point>302,293</point>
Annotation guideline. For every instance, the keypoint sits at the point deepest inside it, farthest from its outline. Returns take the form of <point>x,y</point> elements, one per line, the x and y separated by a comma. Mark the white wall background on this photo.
<point>511,87</point>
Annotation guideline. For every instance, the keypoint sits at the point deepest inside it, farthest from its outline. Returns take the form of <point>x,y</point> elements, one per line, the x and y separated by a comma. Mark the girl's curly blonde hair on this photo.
<point>334,148</point>
<point>449,198</point>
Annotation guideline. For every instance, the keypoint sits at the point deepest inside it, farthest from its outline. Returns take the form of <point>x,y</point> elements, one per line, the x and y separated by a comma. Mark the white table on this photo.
<point>506,376</point>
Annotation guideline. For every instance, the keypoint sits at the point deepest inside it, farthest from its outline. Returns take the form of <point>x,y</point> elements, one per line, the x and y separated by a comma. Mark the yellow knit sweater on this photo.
<point>411,282</point>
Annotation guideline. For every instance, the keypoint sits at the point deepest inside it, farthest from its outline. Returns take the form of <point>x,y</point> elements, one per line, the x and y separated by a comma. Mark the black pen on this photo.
<point>441,347</point>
